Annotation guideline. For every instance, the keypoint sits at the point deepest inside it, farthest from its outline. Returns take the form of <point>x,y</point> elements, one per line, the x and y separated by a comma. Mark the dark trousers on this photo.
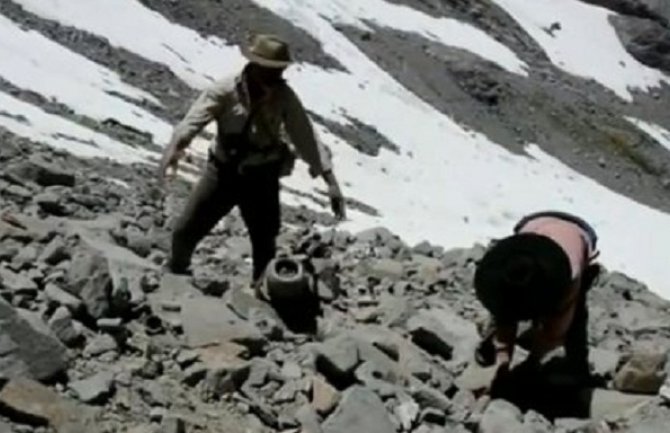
<point>563,387</point>
<point>221,188</point>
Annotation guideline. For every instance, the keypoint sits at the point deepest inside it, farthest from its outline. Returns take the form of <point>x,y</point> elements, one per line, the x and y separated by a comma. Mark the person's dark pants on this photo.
<point>563,387</point>
<point>221,188</point>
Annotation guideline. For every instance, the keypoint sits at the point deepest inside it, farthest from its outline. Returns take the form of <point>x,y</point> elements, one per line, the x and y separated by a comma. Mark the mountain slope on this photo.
<point>447,120</point>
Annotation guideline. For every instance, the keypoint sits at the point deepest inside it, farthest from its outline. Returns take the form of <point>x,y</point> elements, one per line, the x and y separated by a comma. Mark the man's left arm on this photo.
<point>311,150</point>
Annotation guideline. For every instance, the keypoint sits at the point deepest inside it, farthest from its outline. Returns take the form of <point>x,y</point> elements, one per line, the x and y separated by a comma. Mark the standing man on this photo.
<point>252,110</point>
<point>540,274</point>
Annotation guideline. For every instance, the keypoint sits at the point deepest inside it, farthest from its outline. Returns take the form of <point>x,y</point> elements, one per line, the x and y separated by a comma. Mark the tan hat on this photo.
<point>268,51</point>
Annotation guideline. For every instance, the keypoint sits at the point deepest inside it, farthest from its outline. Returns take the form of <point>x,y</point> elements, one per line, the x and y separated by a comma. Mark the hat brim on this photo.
<point>267,63</point>
<point>540,294</point>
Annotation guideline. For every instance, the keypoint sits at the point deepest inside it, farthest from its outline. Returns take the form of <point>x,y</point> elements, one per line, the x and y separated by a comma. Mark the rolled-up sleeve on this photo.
<point>209,103</point>
<point>303,136</point>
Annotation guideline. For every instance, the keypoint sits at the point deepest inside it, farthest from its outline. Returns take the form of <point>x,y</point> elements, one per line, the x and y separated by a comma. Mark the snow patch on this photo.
<point>53,71</point>
<point>31,122</point>
<point>129,24</point>
<point>658,133</point>
<point>586,44</point>
<point>447,31</point>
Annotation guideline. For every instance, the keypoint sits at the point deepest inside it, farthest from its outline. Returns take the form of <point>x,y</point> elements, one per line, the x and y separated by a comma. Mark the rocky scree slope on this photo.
<point>93,338</point>
<point>470,115</point>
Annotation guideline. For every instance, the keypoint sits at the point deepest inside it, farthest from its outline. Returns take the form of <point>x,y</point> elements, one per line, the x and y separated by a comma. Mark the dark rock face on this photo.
<point>649,9</point>
<point>648,41</point>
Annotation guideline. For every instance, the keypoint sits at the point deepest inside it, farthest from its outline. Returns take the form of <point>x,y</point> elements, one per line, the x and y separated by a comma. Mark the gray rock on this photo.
<point>138,242</point>
<point>58,296</point>
<point>259,373</point>
<point>501,416</point>
<point>380,237</point>
<point>19,192</point>
<point>324,396</point>
<point>50,203</point>
<point>17,283</point>
<point>431,336</point>
<point>210,283</point>
<point>370,372</point>
<point>26,257</point>
<point>386,268</point>
<point>194,374</point>
<point>27,351</point>
<point>415,364</point>
<point>266,323</point>
<point>337,359</point>
<point>42,172</point>
<point>643,373</point>
<point>8,249</point>
<point>31,402</point>
<point>89,278</point>
<point>428,397</point>
<point>208,321</point>
<point>62,325</point>
<point>536,423</point>
<point>100,344</point>
<point>95,389</point>
<point>407,413</point>
<point>359,411</point>
<point>154,393</point>
<point>604,362</point>
<point>433,416</point>
<point>55,252</point>
<point>291,370</point>
<point>173,424</point>
<point>461,334</point>
<point>287,393</point>
<point>151,369</point>
<point>308,419</point>
<point>187,357</point>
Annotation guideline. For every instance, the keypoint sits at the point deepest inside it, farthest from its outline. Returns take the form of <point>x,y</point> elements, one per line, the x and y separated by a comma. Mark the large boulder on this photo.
<point>26,351</point>
<point>360,411</point>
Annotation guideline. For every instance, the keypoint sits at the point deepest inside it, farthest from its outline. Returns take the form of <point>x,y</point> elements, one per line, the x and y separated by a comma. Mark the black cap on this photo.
<point>523,277</point>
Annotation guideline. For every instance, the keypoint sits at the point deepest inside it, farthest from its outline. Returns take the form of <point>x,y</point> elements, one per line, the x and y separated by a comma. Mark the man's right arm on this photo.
<point>206,107</point>
<point>209,104</point>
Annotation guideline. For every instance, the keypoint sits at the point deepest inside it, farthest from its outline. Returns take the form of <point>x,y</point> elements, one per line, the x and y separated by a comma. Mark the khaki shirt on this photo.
<point>227,102</point>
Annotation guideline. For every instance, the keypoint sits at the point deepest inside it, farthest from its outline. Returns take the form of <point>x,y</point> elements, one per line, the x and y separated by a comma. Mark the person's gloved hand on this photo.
<point>337,203</point>
<point>480,378</point>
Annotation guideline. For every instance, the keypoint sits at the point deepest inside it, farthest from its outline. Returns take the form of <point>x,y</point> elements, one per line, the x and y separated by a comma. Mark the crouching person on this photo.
<point>540,275</point>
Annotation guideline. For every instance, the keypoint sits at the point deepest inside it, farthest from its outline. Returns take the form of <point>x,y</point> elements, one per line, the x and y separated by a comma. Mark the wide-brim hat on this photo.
<point>523,277</point>
<point>268,51</point>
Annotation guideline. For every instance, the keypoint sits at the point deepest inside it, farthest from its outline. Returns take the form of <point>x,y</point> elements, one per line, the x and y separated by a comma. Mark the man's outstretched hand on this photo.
<point>170,160</point>
<point>337,200</point>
